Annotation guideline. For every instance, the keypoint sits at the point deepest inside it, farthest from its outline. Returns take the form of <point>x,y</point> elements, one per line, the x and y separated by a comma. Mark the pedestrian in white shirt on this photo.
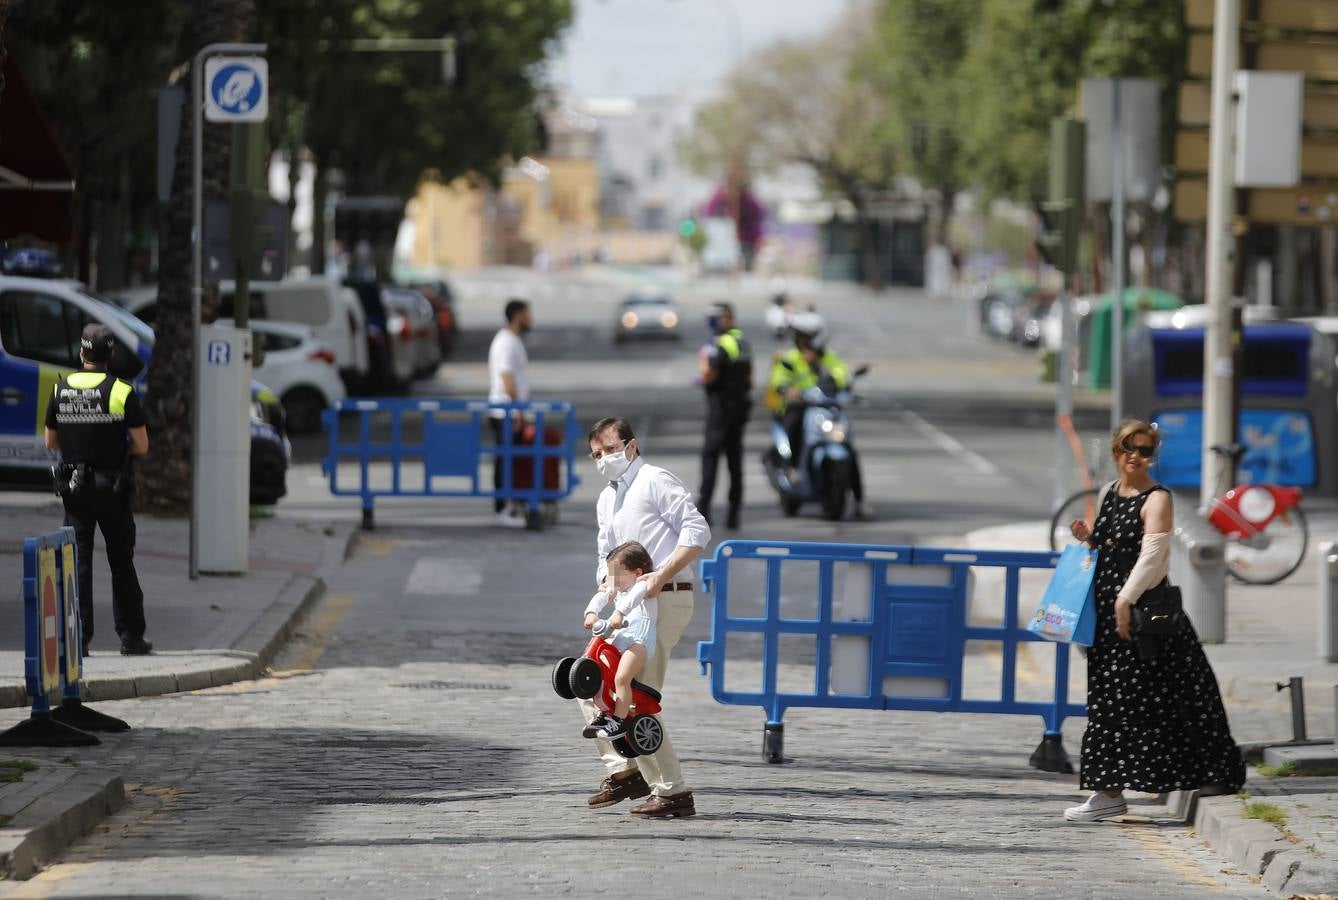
<point>508,382</point>
<point>649,505</point>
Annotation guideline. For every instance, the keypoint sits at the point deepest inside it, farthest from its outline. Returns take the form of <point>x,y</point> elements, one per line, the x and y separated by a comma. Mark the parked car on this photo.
<point>646,316</point>
<point>330,310</point>
<point>412,316</point>
<point>439,294</point>
<point>40,324</point>
<point>299,369</point>
<point>390,355</point>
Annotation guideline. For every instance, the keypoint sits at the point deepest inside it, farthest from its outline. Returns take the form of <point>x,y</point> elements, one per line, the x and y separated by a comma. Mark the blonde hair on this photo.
<point>1128,429</point>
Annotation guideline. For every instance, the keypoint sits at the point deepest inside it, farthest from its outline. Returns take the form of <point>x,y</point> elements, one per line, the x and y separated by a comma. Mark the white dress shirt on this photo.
<point>651,506</point>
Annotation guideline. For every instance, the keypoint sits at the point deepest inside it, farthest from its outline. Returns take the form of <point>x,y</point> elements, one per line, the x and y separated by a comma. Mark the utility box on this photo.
<point>1268,128</point>
<point>1198,568</point>
<point>223,536</point>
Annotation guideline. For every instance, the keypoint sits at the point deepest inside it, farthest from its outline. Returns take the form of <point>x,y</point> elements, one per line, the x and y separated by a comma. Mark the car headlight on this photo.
<point>669,319</point>
<point>630,320</point>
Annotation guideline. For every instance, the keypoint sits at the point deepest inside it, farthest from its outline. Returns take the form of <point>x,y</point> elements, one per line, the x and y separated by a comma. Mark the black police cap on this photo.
<point>97,342</point>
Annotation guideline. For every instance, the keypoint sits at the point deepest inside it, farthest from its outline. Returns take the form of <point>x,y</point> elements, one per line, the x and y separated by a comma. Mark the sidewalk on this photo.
<point>1270,638</point>
<point>209,632</point>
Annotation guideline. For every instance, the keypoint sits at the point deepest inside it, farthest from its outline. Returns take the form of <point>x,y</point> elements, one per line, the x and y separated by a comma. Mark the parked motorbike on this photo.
<point>826,469</point>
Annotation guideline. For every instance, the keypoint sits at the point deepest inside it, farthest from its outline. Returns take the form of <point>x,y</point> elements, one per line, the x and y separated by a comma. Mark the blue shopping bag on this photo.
<point>1067,612</point>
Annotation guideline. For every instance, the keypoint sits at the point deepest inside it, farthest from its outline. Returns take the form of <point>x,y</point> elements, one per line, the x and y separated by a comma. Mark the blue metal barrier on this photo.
<point>915,627</point>
<point>446,438</point>
<point>52,645</point>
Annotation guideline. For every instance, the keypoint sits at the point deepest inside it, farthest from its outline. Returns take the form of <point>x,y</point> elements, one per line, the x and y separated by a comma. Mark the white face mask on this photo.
<point>613,465</point>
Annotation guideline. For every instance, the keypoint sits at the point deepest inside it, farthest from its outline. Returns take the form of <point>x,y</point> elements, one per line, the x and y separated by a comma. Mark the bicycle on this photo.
<point>1266,530</point>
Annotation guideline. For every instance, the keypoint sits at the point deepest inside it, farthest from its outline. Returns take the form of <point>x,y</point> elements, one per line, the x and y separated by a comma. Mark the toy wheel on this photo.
<point>624,748</point>
<point>645,734</point>
<point>585,679</point>
<point>562,678</point>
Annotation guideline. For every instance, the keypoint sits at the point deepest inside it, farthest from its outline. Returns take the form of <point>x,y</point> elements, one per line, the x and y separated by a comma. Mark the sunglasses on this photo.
<point>1144,450</point>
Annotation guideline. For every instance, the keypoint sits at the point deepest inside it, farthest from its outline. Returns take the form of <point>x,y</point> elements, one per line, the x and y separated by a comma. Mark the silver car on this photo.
<point>412,324</point>
<point>646,316</point>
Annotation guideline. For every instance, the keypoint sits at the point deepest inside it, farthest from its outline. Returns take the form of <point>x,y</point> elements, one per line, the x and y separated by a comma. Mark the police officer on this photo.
<point>727,375</point>
<point>96,423</point>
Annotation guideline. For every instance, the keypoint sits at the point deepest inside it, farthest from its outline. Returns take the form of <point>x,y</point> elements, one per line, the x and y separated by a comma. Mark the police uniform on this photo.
<point>92,412</point>
<point>728,399</point>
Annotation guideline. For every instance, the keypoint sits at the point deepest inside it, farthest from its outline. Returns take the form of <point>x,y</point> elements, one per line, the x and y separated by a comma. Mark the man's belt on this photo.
<point>677,586</point>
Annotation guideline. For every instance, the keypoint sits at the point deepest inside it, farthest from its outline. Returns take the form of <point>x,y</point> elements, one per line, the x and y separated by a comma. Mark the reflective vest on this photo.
<point>791,369</point>
<point>735,367</point>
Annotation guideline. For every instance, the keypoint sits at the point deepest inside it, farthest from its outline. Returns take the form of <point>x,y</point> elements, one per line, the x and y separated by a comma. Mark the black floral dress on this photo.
<point>1152,725</point>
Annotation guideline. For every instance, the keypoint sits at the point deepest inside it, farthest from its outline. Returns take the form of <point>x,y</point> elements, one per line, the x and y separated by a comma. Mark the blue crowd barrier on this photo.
<point>52,645</point>
<point>913,618</point>
<point>450,446</point>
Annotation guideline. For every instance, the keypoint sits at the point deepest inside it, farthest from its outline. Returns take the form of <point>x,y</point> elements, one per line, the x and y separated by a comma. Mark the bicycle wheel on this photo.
<point>1272,555</point>
<point>1081,505</point>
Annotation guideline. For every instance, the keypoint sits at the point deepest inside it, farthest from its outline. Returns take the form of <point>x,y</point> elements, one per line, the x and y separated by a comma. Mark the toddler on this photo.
<point>633,631</point>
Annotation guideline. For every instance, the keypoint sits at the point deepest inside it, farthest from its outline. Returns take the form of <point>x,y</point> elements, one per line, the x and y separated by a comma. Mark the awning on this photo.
<point>36,180</point>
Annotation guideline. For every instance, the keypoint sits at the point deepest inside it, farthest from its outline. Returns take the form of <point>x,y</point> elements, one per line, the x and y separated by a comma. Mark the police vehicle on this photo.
<point>40,323</point>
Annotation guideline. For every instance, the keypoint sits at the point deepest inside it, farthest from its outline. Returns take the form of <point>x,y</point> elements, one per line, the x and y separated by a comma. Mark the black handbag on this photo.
<point>1159,612</point>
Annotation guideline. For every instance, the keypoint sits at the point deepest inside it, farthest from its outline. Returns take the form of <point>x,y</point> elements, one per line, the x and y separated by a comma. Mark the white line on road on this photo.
<point>948,443</point>
<point>441,577</point>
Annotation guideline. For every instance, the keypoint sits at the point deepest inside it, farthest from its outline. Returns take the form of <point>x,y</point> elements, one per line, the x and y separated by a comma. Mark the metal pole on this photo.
<point>1063,394</point>
<point>197,273</point>
<point>1117,254</point>
<point>1217,354</point>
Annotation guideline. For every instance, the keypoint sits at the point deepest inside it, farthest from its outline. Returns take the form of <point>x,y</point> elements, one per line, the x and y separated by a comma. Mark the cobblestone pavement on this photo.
<point>445,779</point>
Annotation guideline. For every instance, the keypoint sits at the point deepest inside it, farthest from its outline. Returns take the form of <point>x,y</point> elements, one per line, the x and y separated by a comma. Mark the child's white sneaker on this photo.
<point>1097,808</point>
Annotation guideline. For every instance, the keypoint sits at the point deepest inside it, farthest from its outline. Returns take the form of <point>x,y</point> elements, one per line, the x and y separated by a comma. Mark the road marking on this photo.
<point>445,577</point>
<point>948,443</point>
<point>1156,845</point>
<point>316,632</point>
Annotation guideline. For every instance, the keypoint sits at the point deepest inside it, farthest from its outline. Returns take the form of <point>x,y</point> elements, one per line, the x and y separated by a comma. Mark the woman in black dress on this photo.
<point>1153,725</point>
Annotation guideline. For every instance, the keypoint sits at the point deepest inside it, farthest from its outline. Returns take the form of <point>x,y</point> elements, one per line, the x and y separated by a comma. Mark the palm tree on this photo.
<point>164,483</point>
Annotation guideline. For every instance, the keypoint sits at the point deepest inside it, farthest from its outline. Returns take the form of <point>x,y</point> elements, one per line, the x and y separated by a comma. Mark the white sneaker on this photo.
<point>508,519</point>
<point>1097,808</point>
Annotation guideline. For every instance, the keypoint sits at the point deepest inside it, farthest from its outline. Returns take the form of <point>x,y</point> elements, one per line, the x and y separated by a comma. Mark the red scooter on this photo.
<point>590,677</point>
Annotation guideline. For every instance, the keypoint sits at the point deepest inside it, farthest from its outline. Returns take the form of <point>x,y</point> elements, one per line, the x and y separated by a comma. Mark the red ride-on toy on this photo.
<point>590,677</point>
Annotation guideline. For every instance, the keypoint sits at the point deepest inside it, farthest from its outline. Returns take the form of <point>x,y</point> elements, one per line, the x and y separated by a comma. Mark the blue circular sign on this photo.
<point>236,88</point>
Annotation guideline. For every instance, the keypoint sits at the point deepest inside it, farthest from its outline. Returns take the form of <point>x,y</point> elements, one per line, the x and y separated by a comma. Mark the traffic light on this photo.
<point>1063,214</point>
<point>687,228</point>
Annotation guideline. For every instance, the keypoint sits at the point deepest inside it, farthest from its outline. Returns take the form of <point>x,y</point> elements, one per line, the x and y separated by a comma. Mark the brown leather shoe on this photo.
<point>616,790</point>
<point>667,807</point>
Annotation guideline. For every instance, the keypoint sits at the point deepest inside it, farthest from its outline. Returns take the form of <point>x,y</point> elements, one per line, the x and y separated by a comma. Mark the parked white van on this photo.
<point>329,309</point>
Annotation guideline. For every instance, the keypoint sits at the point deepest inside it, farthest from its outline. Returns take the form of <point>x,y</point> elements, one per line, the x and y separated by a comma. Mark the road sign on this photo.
<point>220,353</point>
<point>49,615</point>
<point>268,262</point>
<point>236,89</point>
<point>70,596</point>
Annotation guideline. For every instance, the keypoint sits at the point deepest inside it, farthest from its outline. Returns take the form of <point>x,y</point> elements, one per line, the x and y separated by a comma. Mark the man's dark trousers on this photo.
<point>725,424</point>
<point>104,508</point>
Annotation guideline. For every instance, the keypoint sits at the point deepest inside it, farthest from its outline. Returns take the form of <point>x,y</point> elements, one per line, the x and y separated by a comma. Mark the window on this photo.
<point>271,341</point>
<point>41,327</point>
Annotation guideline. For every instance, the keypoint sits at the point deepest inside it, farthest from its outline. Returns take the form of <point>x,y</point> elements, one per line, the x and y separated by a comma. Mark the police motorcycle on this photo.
<point>826,471</point>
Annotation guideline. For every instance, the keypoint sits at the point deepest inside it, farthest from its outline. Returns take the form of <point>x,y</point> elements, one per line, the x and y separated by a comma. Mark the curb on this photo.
<point>253,652</point>
<point>1257,848</point>
<point>56,819</point>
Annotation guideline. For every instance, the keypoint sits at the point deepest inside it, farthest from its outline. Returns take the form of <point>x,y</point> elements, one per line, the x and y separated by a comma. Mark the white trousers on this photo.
<point>661,769</point>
